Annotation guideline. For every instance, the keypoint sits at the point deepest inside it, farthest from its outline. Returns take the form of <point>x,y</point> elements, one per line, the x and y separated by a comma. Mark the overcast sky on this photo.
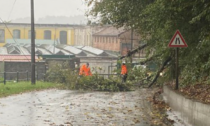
<point>13,9</point>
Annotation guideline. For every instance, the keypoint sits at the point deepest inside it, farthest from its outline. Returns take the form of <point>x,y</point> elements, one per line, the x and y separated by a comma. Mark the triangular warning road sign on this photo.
<point>177,40</point>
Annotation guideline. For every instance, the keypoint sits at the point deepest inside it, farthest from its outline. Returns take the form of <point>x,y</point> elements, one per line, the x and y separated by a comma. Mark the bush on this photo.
<point>137,74</point>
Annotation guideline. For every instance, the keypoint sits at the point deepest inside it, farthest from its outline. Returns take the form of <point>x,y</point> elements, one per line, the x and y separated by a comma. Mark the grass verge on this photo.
<point>15,88</point>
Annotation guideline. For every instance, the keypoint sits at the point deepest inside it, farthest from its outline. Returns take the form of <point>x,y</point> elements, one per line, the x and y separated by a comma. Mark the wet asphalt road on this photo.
<point>65,108</point>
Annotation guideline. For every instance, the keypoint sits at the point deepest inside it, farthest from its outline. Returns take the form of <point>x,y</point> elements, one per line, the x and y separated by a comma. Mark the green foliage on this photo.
<point>97,82</point>
<point>157,21</point>
<point>137,74</point>
<point>57,73</point>
<point>1,79</point>
<point>20,87</point>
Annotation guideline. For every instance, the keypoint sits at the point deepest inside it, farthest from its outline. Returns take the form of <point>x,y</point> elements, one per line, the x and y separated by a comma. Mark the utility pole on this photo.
<point>33,79</point>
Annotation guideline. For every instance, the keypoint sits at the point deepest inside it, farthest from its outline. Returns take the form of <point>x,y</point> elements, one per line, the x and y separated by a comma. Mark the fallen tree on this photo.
<point>134,51</point>
<point>147,60</point>
<point>160,70</point>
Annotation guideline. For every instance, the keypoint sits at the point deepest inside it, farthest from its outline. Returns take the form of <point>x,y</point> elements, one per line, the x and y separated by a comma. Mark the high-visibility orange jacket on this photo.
<point>124,70</point>
<point>82,70</point>
<point>88,72</point>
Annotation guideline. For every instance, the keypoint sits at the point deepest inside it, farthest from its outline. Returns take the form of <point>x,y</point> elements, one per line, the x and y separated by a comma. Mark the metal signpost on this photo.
<point>177,41</point>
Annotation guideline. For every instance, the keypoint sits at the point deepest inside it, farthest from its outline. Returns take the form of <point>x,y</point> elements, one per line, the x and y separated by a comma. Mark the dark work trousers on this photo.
<point>124,77</point>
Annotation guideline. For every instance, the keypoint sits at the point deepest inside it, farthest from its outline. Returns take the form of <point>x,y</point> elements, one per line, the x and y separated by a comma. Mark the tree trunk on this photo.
<point>160,70</point>
<point>134,51</point>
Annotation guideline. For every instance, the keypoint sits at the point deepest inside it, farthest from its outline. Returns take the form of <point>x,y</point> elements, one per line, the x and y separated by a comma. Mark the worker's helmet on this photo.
<point>123,62</point>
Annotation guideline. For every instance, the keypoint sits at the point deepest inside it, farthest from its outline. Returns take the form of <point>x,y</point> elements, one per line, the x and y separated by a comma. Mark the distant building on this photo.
<point>83,36</point>
<point>57,32</point>
<point>113,39</point>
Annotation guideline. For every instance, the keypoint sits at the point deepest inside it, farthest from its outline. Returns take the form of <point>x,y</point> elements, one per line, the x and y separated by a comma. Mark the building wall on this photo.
<point>79,36</point>
<point>24,32</point>
<point>84,35</point>
<point>114,43</point>
<point>120,43</point>
<point>107,43</point>
<point>100,65</point>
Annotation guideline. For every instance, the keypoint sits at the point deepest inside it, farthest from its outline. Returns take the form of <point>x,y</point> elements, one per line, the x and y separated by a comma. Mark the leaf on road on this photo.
<point>47,120</point>
<point>67,123</point>
<point>136,120</point>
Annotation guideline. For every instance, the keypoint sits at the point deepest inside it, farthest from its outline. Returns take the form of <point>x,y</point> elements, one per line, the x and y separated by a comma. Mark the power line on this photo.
<point>11,9</point>
<point>9,14</point>
<point>13,38</point>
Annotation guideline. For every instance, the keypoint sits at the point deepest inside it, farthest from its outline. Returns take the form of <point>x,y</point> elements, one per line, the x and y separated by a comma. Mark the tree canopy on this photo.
<point>156,21</point>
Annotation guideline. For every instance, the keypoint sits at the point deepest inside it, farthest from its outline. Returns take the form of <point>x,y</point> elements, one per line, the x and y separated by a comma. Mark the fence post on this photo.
<point>109,70</point>
<point>36,75</point>
<point>17,76</point>
<point>44,78</point>
<point>27,74</point>
<point>5,77</point>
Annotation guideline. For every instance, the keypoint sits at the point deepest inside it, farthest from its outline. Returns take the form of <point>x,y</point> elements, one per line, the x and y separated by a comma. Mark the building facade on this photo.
<point>118,40</point>
<point>103,37</point>
<point>61,32</point>
<point>84,35</point>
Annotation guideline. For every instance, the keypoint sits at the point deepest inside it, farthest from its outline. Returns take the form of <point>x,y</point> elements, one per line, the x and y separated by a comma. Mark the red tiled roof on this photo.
<point>14,58</point>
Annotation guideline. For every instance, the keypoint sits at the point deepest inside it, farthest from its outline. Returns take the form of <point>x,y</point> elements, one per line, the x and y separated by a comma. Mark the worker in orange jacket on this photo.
<point>124,72</point>
<point>82,70</point>
<point>87,70</point>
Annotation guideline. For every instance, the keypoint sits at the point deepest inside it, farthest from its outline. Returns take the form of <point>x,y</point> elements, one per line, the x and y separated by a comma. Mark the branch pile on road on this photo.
<point>70,79</point>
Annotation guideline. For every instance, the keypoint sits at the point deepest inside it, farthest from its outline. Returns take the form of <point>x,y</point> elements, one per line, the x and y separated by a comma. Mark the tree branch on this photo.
<point>160,70</point>
<point>134,51</point>
<point>147,60</point>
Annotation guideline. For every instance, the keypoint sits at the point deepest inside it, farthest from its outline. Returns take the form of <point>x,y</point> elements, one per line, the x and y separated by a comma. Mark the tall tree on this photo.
<point>157,21</point>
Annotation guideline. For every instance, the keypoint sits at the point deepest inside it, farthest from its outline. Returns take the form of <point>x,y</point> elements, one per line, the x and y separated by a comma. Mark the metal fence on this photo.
<point>108,75</point>
<point>26,76</point>
<point>19,76</point>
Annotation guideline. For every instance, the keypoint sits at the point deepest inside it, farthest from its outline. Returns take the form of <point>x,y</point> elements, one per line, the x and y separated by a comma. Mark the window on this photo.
<point>2,35</point>
<point>29,34</point>
<point>63,37</point>
<point>47,34</point>
<point>16,34</point>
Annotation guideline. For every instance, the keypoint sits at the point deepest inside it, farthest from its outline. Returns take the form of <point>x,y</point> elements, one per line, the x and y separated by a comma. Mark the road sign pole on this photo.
<point>177,41</point>
<point>177,69</point>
